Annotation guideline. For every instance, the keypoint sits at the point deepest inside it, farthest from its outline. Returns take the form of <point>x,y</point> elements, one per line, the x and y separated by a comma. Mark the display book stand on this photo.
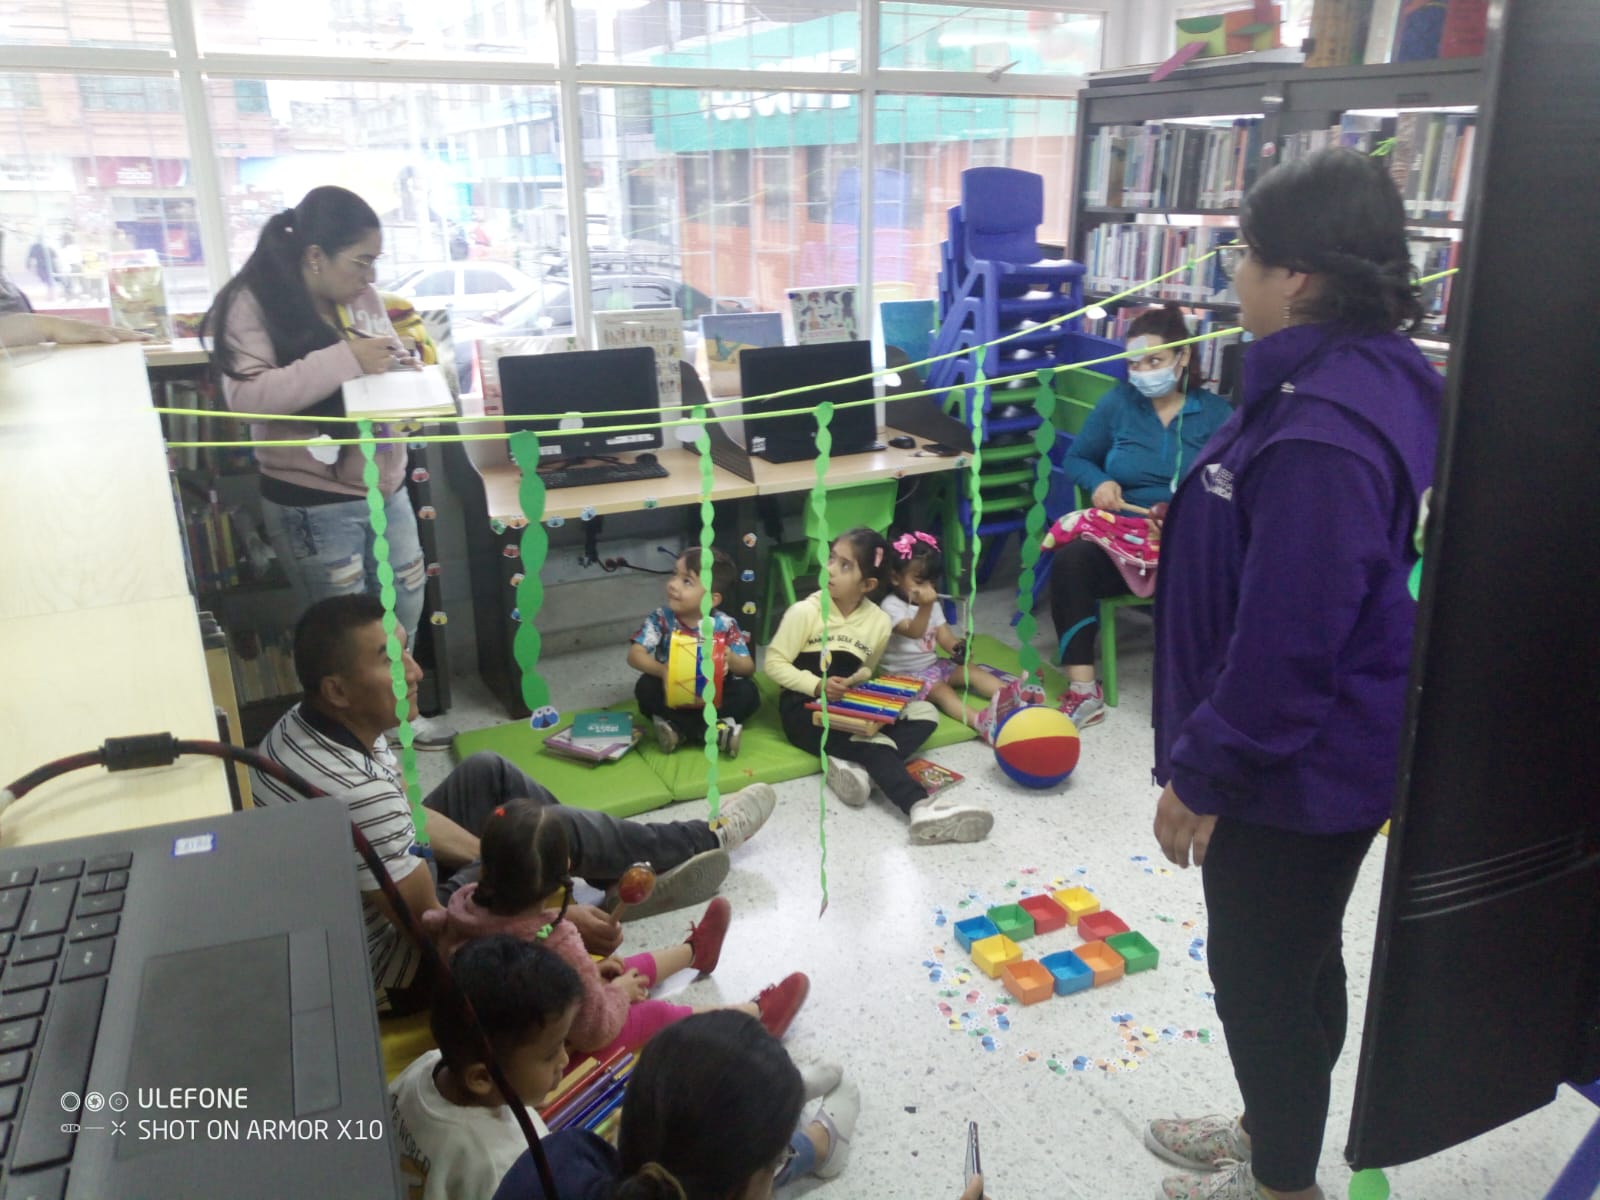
<point>1286,100</point>
<point>218,497</point>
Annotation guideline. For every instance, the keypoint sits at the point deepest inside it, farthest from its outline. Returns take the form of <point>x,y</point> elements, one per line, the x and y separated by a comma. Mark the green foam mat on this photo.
<point>647,779</point>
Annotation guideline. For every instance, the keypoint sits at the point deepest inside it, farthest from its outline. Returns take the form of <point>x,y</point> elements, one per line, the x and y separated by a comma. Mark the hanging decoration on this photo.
<point>975,413</point>
<point>1044,441</point>
<point>818,502</point>
<point>705,670</point>
<point>386,593</point>
<point>530,592</point>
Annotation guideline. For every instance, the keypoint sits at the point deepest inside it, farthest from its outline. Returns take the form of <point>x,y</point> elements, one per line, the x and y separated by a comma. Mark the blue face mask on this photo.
<point>1152,384</point>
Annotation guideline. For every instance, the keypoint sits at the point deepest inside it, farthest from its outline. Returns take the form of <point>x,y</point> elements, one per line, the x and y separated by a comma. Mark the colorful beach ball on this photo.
<point>1037,746</point>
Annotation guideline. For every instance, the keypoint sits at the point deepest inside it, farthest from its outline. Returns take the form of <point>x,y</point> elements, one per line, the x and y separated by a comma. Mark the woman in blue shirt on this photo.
<point>1131,451</point>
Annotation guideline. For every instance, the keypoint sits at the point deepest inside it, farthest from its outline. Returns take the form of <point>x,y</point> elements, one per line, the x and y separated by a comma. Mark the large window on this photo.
<point>502,169</point>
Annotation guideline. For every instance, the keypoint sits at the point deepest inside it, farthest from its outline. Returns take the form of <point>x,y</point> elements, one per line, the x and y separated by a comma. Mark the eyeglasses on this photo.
<point>1230,256</point>
<point>366,262</point>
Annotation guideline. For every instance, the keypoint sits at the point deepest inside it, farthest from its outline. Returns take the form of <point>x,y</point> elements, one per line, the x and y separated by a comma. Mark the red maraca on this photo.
<point>635,886</point>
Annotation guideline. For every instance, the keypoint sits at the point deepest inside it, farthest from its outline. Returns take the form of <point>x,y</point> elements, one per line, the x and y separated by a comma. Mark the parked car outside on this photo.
<point>469,288</point>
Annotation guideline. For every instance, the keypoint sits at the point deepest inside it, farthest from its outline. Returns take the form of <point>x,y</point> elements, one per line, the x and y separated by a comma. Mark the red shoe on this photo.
<point>705,936</point>
<point>780,1002</point>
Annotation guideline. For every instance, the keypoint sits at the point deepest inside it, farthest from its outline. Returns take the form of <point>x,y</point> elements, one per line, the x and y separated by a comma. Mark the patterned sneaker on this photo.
<point>942,819</point>
<point>1085,708</point>
<point>1198,1143</point>
<point>728,733</point>
<point>779,1003</point>
<point>1233,1181</point>
<point>706,934</point>
<point>743,813</point>
<point>667,737</point>
<point>848,782</point>
<point>1006,701</point>
<point>983,724</point>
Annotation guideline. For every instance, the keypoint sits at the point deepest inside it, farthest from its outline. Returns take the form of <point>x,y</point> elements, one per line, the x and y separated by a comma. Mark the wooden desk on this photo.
<point>179,352</point>
<point>501,483</point>
<point>97,626</point>
<point>776,479</point>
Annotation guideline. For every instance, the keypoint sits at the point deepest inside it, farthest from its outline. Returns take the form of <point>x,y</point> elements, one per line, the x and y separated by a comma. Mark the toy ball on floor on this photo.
<point>1037,746</point>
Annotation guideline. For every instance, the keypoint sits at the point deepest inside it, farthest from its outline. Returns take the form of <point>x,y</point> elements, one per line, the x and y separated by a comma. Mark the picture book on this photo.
<point>659,328</point>
<point>724,336</point>
<point>399,394</point>
<point>562,744</point>
<point>933,778</point>
<point>908,326</point>
<point>601,728</point>
<point>491,350</point>
<point>824,314</point>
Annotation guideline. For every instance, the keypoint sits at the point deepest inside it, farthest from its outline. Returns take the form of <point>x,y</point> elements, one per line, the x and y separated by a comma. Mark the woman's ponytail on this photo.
<point>652,1182</point>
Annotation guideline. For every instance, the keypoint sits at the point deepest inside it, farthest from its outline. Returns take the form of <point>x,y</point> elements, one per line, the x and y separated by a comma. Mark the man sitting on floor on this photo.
<point>334,739</point>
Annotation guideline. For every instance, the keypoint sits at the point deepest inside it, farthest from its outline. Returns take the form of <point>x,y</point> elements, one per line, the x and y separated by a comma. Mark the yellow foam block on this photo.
<point>1079,902</point>
<point>993,953</point>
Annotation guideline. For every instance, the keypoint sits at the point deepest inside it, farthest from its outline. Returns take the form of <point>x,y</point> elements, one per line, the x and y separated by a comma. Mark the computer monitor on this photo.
<point>585,387</point>
<point>767,369</point>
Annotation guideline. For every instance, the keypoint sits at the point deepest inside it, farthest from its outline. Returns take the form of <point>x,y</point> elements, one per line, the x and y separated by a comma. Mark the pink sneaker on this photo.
<point>1085,708</point>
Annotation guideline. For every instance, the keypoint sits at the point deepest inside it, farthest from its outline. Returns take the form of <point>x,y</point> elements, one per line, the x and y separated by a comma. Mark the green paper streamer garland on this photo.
<point>526,646</point>
<point>704,671</point>
<point>818,501</point>
<point>1044,440</point>
<point>975,408</point>
<point>397,670</point>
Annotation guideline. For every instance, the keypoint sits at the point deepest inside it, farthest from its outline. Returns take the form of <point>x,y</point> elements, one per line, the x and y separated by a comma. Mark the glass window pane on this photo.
<point>465,177</point>
<point>678,200</point>
<point>95,173</point>
<point>925,142</point>
<point>789,35</point>
<point>941,37</point>
<point>74,23</point>
<point>399,28</point>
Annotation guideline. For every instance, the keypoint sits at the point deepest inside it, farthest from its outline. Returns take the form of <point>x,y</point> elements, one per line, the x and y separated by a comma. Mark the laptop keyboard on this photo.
<point>58,927</point>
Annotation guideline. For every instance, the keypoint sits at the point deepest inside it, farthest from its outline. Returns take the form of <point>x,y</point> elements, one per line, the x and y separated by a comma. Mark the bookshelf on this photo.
<point>233,571</point>
<point>1188,147</point>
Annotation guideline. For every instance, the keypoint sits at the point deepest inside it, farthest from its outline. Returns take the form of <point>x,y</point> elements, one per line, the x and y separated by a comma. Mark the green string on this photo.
<point>818,500</point>
<point>1044,440</point>
<point>386,593</point>
<point>527,645</point>
<point>975,395</point>
<point>704,667</point>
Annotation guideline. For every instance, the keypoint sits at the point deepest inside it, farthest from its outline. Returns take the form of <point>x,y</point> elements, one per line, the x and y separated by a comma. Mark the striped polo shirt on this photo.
<point>326,754</point>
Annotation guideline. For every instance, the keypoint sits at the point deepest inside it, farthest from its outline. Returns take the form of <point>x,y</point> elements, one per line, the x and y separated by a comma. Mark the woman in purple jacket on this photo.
<point>1283,641</point>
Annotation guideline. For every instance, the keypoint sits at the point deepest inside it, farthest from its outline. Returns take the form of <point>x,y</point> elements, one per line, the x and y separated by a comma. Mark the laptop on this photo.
<point>764,370</point>
<point>186,1011</point>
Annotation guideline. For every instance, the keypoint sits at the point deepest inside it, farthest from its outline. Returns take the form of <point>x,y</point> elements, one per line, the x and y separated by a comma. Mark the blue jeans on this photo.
<point>326,550</point>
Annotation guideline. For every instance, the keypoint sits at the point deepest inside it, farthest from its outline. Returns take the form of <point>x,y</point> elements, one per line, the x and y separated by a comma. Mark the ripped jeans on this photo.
<point>326,550</point>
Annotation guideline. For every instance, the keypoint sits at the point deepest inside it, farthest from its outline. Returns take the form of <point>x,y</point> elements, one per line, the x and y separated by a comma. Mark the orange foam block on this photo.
<point>1028,981</point>
<point>1078,901</point>
<point>993,953</point>
<point>1105,962</point>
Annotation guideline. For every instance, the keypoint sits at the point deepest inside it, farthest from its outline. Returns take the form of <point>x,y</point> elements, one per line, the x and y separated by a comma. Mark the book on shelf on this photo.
<point>824,314</point>
<point>724,336</point>
<point>1431,163</point>
<point>933,778</point>
<point>1190,168</point>
<point>1381,25</point>
<point>1429,29</point>
<point>263,665</point>
<point>490,351</point>
<point>1339,33</point>
<point>1118,256</point>
<point>659,328</point>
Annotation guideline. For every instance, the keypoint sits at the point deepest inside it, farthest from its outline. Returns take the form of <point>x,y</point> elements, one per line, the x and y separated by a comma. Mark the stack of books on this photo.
<point>590,1096</point>
<point>596,737</point>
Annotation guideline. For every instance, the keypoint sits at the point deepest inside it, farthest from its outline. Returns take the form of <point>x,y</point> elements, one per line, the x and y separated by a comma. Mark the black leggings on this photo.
<point>1081,576</point>
<point>1275,901</point>
<point>886,765</point>
<point>740,699</point>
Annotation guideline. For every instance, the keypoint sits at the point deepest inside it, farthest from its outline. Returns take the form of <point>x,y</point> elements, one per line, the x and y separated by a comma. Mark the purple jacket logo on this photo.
<point>1217,480</point>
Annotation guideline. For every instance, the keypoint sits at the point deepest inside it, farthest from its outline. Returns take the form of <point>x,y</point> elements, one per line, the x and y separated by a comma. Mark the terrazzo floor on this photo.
<point>1061,1090</point>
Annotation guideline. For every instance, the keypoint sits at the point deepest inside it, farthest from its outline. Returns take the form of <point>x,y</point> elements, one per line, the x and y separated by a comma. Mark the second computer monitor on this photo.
<point>586,388</point>
<point>793,438</point>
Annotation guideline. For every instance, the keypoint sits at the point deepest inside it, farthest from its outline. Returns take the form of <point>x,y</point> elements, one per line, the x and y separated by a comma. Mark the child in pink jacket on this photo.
<point>525,859</point>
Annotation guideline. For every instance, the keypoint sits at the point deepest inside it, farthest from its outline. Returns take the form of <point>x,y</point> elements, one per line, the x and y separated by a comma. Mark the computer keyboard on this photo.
<point>58,926</point>
<point>566,477</point>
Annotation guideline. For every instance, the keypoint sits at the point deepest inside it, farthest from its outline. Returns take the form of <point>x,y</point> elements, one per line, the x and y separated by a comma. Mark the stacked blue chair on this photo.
<point>993,282</point>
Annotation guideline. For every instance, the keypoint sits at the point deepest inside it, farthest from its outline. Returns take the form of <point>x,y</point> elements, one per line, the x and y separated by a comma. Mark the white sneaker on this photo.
<point>743,813</point>
<point>837,1114</point>
<point>427,733</point>
<point>820,1078</point>
<point>943,819</point>
<point>1231,1181</point>
<point>848,782</point>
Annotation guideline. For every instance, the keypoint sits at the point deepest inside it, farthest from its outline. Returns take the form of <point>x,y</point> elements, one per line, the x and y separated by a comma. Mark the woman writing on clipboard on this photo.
<point>301,319</point>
